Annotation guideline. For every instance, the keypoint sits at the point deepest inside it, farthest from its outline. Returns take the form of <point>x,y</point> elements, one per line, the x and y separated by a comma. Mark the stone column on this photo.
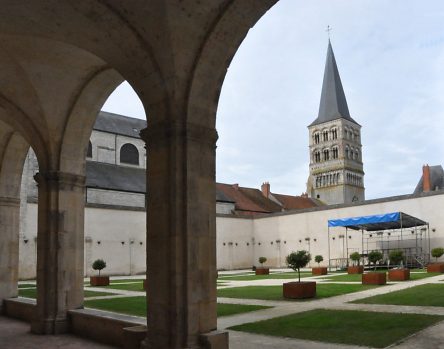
<point>9,247</point>
<point>60,243</point>
<point>181,237</point>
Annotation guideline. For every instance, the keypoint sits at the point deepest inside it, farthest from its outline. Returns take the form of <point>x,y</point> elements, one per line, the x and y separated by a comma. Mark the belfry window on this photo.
<point>326,155</point>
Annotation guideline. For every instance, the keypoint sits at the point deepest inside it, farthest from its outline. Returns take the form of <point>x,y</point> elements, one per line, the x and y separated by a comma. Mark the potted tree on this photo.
<point>399,273</point>
<point>374,278</point>
<point>319,270</point>
<point>262,270</point>
<point>99,280</point>
<point>436,267</point>
<point>356,268</point>
<point>305,289</point>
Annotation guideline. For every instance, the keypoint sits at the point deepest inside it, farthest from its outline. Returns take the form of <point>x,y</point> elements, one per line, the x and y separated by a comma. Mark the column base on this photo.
<point>57,326</point>
<point>214,340</point>
<point>211,340</point>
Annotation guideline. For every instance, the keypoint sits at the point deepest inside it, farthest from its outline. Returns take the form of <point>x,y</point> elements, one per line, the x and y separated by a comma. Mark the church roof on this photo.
<point>333,104</point>
<point>436,180</point>
<point>113,177</point>
<point>119,124</point>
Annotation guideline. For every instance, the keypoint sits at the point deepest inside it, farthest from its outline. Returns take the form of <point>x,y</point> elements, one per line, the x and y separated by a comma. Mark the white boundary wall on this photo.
<point>240,241</point>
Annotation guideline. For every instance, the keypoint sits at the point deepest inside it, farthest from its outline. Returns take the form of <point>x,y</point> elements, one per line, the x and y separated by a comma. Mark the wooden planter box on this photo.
<point>355,269</point>
<point>435,268</point>
<point>319,271</point>
<point>298,290</point>
<point>99,280</point>
<point>262,271</point>
<point>374,278</point>
<point>399,274</point>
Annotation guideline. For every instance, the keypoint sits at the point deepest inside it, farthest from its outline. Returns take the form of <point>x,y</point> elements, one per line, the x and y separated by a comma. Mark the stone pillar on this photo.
<point>9,247</point>
<point>60,243</point>
<point>181,237</point>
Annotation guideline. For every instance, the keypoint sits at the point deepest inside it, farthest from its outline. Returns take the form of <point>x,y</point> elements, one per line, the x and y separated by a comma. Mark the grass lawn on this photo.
<point>275,292</point>
<point>423,295</point>
<point>32,293</point>
<point>358,277</point>
<point>137,306</point>
<point>343,326</point>
<point>133,286</point>
<point>286,275</point>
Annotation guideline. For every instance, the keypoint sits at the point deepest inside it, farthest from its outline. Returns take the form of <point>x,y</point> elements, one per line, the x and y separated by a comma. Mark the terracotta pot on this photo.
<point>374,278</point>
<point>319,271</point>
<point>144,284</point>
<point>399,274</point>
<point>355,269</point>
<point>262,271</point>
<point>298,290</point>
<point>435,268</point>
<point>99,280</point>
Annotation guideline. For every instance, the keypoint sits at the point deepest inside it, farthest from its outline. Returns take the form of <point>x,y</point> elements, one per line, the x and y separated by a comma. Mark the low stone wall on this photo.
<point>20,308</point>
<point>102,326</point>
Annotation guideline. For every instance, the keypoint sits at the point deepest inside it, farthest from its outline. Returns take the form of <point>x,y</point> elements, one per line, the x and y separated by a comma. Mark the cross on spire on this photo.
<point>328,30</point>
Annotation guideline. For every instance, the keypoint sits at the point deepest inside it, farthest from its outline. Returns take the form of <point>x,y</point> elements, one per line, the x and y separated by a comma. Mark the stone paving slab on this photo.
<point>15,334</point>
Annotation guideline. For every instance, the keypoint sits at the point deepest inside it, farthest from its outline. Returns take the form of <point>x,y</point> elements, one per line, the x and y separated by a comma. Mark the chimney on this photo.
<point>426,185</point>
<point>304,195</point>
<point>236,186</point>
<point>265,187</point>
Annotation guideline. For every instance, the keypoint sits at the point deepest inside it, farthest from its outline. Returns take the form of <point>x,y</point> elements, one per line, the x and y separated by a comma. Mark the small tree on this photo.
<point>374,257</point>
<point>99,264</point>
<point>262,260</point>
<point>396,257</point>
<point>437,252</point>
<point>298,260</point>
<point>355,257</point>
<point>319,259</point>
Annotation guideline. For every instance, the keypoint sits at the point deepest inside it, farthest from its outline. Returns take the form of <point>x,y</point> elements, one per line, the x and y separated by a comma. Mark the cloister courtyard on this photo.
<point>344,313</point>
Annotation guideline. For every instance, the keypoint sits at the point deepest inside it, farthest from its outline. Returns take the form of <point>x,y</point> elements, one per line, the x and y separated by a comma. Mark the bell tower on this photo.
<point>336,167</point>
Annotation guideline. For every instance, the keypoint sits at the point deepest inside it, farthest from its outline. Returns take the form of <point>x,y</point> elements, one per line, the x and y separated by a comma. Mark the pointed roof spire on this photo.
<point>333,104</point>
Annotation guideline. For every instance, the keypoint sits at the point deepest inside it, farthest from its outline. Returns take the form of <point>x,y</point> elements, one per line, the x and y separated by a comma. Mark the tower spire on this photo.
<point>333,104</point>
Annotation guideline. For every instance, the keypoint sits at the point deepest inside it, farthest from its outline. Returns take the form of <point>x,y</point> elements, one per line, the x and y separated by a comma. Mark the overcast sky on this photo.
<point>390,56</point>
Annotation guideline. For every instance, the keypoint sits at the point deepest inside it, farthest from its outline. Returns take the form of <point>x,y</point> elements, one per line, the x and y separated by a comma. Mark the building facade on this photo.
<point>336,166</point>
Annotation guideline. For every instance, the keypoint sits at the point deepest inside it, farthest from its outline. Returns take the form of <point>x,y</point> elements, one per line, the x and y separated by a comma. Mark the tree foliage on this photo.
<point>319,259</point>
<point>99,264</point>
<point>262,260</point>
<point>374,257</point>
<point>396,256</point>
<point>437,252</point>
<point>298,260</point>
<point>355,257</point>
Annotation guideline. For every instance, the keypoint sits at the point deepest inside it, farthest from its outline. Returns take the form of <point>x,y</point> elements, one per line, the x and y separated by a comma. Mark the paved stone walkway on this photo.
<point>430,338</point>
<point>15,334</point>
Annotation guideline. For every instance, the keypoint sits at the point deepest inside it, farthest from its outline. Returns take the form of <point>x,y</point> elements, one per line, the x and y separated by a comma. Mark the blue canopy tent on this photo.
<point>380,222</point>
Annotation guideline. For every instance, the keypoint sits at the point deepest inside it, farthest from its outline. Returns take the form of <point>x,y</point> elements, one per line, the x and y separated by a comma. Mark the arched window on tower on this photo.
<point>316,138</point>
<point>334,133</point>
<point>89,152</point>
<point>326,155</point>
<point>129,154</point>
<point>325,133</point>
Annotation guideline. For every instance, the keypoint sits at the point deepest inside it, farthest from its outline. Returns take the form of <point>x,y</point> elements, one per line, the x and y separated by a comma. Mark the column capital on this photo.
<point>58,177</point>
<point>164,131</point>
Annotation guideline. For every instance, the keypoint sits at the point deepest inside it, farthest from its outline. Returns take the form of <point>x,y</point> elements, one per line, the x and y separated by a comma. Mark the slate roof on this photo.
<point>248,201</point>
<point>290,202</point>
<point>436,180</point>
<point>119,124</point>
<point>333,104</point>
<point>113,177</point>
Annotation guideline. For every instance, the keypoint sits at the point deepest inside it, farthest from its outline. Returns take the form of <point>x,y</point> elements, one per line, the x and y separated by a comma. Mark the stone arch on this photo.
<point>13,150</point>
